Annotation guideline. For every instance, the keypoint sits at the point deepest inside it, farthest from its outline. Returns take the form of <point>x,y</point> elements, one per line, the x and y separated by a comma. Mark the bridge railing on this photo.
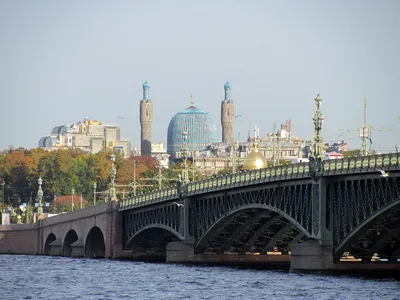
<point>282,172</point>
<point>216,183</point>
<point>248,177</point>
<point>361,163</point>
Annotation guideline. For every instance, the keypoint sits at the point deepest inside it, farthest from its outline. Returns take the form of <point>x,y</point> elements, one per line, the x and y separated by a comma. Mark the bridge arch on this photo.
<point>70,238</point>
<point>47,248</point>
<point>252,221</point>
<point>153,227</point>
<point>150,242</point>
<point>367,238</point>
<point>95,245</point>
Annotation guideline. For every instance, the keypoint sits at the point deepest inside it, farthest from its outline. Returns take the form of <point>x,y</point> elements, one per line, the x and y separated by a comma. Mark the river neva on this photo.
<point>44,277</point>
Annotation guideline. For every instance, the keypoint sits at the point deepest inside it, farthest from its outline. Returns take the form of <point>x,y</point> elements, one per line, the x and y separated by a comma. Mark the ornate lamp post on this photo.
<point>72,200</point>
<point>39,197</point>
<point>134,183</point>
<point>113,172</point>
<point>2,186</point>
<point>318,149</point>
<point>94,192</point>
<point>184,153</point>
<point>235,146</point>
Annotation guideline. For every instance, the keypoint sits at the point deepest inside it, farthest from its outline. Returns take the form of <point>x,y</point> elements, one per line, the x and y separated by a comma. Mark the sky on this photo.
<point>62,61</point>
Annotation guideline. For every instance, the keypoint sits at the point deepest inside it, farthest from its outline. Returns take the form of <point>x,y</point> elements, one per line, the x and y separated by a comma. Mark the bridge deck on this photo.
<point>353,165</point>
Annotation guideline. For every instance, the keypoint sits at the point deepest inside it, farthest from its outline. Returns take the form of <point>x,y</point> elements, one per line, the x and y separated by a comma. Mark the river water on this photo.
<point>43,277</point>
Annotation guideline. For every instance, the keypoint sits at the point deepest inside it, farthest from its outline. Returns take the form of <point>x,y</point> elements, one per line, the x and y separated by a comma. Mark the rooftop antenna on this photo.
<point>273,144</point>
<point>365,132</point>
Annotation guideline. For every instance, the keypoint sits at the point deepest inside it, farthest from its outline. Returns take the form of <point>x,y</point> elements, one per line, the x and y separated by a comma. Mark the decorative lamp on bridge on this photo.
<point>72,199</point>
<point>113,173</point>
<point>317,153</point>
<point>184,154</point>
<point>39,198</point>
<point>94,192</point>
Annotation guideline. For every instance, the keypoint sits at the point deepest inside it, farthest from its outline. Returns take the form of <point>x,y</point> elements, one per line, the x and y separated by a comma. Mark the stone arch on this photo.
<point>273,215</point>
<point>70,238</point>
<point>47,247</point>
<point>95,246</point>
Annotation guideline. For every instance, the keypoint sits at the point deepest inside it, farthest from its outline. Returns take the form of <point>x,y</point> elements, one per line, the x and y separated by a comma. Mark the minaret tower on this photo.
<point>227,116</point>
<point>146,117</point>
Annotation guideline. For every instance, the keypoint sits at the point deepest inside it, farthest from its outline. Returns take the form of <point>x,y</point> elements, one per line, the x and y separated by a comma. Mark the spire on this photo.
<point>146,88</point>
<point>191,100</point>
<point>227,88</point>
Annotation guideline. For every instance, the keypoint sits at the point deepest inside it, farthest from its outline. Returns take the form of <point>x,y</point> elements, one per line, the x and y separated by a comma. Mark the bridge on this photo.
<point>282,214</point>
<point>347,208</point>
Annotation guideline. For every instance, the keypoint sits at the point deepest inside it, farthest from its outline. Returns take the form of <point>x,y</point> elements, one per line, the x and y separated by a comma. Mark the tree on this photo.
<point>101,170</point>
<point>17,170</point>
<point>64,203</point>
<point>82,174</point>
<point>351,153</point>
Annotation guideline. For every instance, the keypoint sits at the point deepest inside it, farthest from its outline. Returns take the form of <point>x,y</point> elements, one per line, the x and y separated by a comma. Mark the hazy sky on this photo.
<point>61,61</point>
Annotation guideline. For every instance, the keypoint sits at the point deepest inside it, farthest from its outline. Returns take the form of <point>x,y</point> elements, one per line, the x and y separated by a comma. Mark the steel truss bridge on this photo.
<point>348,206</point>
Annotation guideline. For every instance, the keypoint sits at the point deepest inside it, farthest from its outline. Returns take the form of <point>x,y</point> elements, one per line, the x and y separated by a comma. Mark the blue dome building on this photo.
<point>199,126</point>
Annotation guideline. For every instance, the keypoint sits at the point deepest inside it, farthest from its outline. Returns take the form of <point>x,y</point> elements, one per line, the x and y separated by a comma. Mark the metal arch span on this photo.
<point>270,216</point>
<point>293,200</point>
<point>366,225</point>
<point>130,242</point>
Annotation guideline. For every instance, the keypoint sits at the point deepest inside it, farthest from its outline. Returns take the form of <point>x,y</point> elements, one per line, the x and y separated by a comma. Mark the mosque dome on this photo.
<point>255,160</point>
<point>199,126</point>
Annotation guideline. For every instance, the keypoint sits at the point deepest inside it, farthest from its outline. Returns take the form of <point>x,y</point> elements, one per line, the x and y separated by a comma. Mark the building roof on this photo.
<point>199,126</point>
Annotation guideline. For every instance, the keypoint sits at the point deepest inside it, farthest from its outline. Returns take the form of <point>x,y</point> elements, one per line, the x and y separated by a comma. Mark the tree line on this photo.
<point>72,169</point>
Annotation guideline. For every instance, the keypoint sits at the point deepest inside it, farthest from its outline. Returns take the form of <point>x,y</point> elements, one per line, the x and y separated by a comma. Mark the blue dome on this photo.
<point>146,85</point>
<point>197,123</point>
<point>227,85</point>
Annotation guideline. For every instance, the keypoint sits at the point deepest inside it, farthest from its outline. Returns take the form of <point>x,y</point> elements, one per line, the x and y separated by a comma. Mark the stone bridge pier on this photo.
<point>317,253</point>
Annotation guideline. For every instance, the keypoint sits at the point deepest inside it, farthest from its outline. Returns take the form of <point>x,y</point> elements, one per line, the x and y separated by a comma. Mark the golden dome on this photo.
<point>255,160</point>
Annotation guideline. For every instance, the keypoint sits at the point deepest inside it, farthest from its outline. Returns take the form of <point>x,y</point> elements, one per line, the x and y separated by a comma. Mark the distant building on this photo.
<point>200,130</point>
<point>146,119</point>
<point>89,135</point>
<point>227,115</point>
<point>158,151</point>
<point>338,146</point>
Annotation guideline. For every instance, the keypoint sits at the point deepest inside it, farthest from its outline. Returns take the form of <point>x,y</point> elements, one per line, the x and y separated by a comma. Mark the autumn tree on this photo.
<point>17,170</point>
<point>64,203</point>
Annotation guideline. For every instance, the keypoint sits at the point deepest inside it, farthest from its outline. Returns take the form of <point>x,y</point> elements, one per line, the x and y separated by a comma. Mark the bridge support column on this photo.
<point>77,249</point>
<point>322,212</point>
<point>317,254</point>
<point>185,224</point>
<point>179,252</point>
<point>56,248</point>
<point>311,256</point>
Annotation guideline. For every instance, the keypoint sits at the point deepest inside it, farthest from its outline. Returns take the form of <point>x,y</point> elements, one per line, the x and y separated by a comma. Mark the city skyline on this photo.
<point>64,61</point>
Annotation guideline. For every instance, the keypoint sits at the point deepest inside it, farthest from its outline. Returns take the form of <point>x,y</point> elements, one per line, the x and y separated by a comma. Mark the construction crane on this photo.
<point>365,132</point>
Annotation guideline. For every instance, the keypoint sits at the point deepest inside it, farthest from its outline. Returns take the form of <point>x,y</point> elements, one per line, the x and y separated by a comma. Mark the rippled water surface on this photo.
<point>41,277</point>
